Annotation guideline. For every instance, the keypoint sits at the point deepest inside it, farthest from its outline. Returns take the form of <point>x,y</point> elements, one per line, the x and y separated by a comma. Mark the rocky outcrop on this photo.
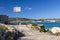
<point>41,27</point>
<point>10,34</point>
<point>55,30</point>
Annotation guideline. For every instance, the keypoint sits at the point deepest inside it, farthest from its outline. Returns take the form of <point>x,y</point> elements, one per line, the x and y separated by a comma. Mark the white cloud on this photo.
<point>29,8</point>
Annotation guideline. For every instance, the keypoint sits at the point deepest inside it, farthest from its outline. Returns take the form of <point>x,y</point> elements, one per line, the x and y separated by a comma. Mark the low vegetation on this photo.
<point>40,28</point>
<point>48,31</point>
<point>34,24</point>
<point>3,27</point>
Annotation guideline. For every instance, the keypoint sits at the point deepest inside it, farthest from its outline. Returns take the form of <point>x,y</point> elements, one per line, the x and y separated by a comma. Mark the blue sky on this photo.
<point>35,9</point>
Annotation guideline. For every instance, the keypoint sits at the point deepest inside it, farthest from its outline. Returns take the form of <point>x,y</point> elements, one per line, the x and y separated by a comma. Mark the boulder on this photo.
<point>55,30</point>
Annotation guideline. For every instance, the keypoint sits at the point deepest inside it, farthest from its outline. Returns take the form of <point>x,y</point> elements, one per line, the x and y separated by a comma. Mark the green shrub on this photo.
<point>49,31</point>
<point>34,24</point>
<point>4,28</point>
<point>42,30</point>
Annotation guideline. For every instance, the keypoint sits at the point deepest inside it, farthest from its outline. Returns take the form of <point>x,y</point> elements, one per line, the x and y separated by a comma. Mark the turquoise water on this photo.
<point>49,24</point>
<point>46,24</point>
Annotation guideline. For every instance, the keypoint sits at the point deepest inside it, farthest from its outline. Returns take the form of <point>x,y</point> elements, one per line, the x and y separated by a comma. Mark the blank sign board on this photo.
<point>17,9</point>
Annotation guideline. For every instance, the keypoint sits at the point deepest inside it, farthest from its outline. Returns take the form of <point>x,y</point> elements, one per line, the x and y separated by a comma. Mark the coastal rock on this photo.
<point>41,27</point>
<point>55,30</point>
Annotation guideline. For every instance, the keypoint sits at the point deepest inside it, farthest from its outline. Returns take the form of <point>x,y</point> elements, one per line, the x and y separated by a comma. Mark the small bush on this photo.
<point>42,30</point>
<point>34,24</point>
<point>4,28</point>
<point>49,31</point>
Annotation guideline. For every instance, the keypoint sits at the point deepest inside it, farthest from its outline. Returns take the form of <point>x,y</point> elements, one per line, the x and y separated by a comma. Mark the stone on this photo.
<point>55,30</point>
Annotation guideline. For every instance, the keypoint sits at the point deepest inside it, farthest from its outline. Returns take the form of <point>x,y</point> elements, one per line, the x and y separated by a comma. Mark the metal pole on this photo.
<point>17,17</point>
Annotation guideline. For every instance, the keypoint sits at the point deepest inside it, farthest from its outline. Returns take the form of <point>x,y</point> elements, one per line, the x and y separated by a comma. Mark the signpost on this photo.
<point>17,10</point>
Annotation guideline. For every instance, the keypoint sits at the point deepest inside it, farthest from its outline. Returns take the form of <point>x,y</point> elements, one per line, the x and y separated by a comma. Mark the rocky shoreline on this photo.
<point>9,34</point>
<point>25,32</point>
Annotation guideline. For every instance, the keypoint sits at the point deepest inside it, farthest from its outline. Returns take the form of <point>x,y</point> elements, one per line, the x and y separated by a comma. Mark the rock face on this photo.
<point>55,30</point>
<point>13,35</point>
<point>10,34</point>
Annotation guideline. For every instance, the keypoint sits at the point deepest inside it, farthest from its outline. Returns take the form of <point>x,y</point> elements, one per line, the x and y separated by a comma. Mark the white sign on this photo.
<point>17,9</point>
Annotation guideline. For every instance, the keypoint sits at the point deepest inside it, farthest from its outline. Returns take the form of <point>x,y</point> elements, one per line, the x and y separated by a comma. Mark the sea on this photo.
<point>47,25</point>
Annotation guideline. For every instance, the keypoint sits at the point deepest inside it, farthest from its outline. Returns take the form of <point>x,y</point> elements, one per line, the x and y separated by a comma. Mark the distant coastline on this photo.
<point>36,20</point>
